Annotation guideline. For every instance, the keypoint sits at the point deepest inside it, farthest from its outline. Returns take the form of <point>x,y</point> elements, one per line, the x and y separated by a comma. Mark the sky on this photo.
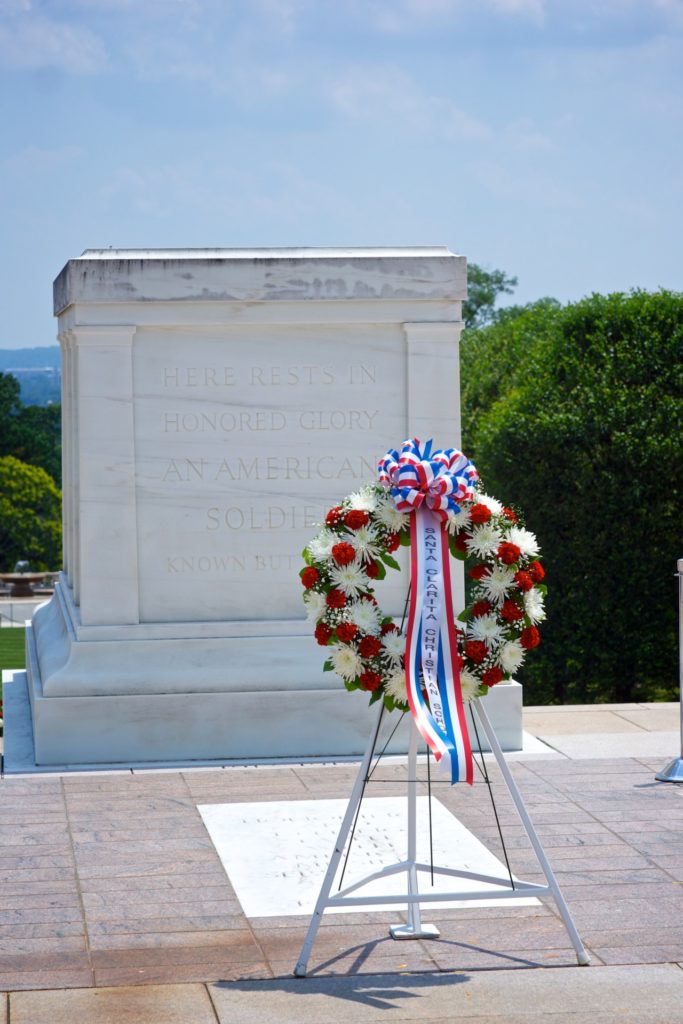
<point>541,137</point>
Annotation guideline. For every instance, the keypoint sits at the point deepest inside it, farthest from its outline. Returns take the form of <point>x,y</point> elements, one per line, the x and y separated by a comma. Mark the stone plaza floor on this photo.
<point>114,904</point>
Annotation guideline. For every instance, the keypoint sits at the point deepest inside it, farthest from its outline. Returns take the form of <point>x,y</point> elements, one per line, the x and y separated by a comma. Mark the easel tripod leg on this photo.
<point>581,954</point>
<point>354,801</point>
<point>414,929</point>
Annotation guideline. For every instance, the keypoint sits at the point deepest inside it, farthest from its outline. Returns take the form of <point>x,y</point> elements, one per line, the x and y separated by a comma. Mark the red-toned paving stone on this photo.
<point>112,880</point>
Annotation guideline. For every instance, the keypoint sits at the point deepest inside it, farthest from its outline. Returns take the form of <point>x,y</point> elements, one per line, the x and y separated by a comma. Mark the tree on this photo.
<point>10,402</point>
<point>575,415</point>
<point>37,436</point>
<point>483,289</point>
<point>31,433</point>
<point>30,517</point>
<point>493,361</point>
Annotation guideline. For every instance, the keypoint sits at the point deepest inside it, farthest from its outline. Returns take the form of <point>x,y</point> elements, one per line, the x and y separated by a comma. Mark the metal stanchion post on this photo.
<point>674,771</point>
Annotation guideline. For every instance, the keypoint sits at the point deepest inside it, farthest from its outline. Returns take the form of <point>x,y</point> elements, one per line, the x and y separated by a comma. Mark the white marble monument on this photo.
<point>216,403</point>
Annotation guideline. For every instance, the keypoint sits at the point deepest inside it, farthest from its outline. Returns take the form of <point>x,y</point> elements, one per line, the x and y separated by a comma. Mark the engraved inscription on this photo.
<point>228,564</point>
<point>261,420</point>
<point>263,517</point>
<point>270,467</point>
<point>307,374</point>
<point>225,422</point>
<point>244,454</point>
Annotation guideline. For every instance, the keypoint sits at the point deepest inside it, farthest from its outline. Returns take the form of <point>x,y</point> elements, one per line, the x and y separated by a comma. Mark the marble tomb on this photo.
<point>215,403</point>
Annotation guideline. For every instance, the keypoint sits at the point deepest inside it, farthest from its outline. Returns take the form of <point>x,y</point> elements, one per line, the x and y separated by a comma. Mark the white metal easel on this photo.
<point>415,928</point>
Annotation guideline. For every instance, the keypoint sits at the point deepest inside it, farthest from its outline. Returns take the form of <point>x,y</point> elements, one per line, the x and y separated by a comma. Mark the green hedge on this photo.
<point>575,414</point>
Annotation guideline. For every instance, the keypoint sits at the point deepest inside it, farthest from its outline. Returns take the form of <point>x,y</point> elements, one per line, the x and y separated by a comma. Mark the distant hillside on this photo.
<point>37,370</point>
<point>30,358</point>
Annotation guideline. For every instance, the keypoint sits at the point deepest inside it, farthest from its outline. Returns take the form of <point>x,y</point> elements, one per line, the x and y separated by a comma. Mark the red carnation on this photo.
<point>536,571</point>
<point>523,580</point>
<point>530,638</point>
<point>461,539</point>
<point>481,608</point>
<point>511,611</point>
<point>343,553</point>
<point>480,514</point>
<point>492,676</point>
<point>369,646</point>
<point>334,515</point>
<point>370,680</point>
<point>322,633</point>
<point>393,542</point>
<point>509,514</point>
<point>335,599</point>
<point>309,577</point>
<point>356,518</point>
<point>477,572</point>
<point>476,651</point>
<point>346,632</point>
<point>372,569</point>
<point>508,553</point>
<point>389,627</point>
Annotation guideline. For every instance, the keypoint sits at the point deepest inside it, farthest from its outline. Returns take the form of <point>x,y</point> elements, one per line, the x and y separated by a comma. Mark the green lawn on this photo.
<point>12,647</point>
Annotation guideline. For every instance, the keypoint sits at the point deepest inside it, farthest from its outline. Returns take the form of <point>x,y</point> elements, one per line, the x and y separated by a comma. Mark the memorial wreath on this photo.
<point>430,502</point>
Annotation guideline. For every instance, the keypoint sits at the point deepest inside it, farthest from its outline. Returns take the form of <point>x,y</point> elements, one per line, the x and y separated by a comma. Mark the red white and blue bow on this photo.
<point>430,485</point>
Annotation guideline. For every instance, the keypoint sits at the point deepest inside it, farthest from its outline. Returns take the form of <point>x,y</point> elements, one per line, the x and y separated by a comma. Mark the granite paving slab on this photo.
<point>544,725</point>
<point>242,950</point>
<point>629,995</point>
<point>158,1004</point>
<point>157,884</point>
<point>111,880</point>
<point>653,718</point>
<point>204,971</point>
<point>658,953</point>
<point>159,925</point>
<point>637,743</point>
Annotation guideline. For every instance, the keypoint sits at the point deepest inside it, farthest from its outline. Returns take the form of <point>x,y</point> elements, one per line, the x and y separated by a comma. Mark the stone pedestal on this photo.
<point>215,404</point>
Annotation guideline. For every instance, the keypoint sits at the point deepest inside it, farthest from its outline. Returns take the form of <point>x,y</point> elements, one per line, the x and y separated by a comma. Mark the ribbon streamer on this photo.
<point>429,485</point>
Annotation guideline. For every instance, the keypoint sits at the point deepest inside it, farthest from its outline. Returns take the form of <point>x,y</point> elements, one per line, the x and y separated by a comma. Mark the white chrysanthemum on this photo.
<point>525,541</point>
<point>498,583</point>
<point>320,548</point>
<point>345,661</point>
<point>366,616</point>
<point>315,605</point>
<point>485,540</point>
<point>457,520</point>
<point>394,645</point>
<point>395,686</point>
<point>389,516</point>
<point>511,656</point>
<point>492,504</point>
<point>486,628</point>
<point>534,606</point>
<point>365,500</point>
<point>350,579</point>
<point>365,541</point>
<point>469,684</point>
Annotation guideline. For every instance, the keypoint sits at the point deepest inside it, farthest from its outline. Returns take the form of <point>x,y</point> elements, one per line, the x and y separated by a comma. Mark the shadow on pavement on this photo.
<point>380,991</point>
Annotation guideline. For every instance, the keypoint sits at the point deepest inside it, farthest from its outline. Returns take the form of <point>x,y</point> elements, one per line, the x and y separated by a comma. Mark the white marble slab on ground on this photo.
<point>276,854</point>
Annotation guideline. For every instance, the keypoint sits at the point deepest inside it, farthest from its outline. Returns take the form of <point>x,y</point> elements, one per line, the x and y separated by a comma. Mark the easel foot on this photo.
<point>300,970</point>
<point>583,959</point>
<point>406,931</point>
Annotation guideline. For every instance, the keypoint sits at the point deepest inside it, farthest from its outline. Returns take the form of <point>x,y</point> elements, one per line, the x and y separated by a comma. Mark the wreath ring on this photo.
<point>354,549</point>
